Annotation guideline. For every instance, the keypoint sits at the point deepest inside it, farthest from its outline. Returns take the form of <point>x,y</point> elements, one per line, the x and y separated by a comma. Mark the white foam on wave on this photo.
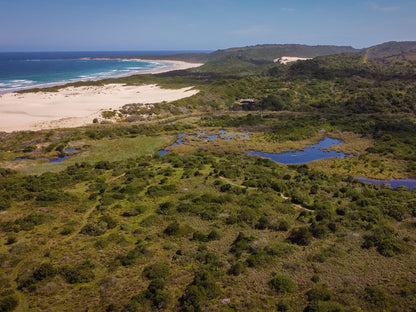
<point>21,84</point>
<point>16,83</point>
<point>24,81</point>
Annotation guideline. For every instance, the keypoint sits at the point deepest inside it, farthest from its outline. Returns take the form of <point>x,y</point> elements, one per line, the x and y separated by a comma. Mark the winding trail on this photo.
<point>84,221</point>
<point>296,205</point>
<point>281,195</point>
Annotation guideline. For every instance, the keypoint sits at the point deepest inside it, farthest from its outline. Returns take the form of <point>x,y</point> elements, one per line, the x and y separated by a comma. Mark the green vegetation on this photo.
<point>206,227</point>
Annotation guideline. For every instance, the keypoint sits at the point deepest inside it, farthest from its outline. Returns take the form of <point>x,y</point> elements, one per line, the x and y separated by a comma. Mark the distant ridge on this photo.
<point>393,52</point>
<point>262,52</point>
<point>273,51</point>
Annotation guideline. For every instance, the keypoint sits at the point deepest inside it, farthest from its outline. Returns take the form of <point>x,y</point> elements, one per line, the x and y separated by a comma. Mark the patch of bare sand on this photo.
<point>76,106</point>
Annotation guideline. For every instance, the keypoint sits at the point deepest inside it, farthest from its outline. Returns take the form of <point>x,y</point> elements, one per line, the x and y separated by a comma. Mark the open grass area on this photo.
<point>92,151</point>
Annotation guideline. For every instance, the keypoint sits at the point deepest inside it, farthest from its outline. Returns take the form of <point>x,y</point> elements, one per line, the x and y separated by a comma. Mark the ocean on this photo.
<point>25,70</point>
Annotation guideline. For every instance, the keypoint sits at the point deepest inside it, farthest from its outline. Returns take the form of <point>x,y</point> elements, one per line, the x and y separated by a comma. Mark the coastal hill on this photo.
<point>269,52</point>
<point>263,52</point>
<point>399,53</point>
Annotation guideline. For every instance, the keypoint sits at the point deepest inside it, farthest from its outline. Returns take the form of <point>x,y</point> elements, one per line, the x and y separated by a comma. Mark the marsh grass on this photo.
<point>116,149</point>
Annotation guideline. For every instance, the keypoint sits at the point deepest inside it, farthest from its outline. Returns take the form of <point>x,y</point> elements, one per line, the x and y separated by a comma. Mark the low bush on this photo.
<point>282,284</point>
<point>8,303</point>
<point>79,273</point>
<point>156,271</point>
<point>300,236</point>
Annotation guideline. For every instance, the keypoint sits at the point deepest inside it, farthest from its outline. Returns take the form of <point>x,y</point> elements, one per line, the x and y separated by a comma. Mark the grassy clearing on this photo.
<point>103,150</point>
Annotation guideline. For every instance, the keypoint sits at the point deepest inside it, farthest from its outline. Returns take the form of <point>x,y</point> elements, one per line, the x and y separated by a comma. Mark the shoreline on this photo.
<point>170,66</point>
<point>72,107</point>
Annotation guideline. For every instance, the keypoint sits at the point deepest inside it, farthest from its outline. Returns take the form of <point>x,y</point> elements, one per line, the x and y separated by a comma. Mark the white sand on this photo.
<point>171,65</point>
<point>289,59</point>
<point>76,106</point>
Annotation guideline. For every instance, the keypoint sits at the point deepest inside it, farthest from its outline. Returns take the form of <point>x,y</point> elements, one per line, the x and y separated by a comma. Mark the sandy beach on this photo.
<point>170,65</point>
<point>78,106</point>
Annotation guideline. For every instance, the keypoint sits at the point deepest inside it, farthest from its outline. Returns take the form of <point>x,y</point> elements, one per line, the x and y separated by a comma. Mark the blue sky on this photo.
<point>85,25</point>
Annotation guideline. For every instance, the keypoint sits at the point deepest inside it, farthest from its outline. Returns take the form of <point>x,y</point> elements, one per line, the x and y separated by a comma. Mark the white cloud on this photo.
<point>257,30</point>
<point>378,7</point>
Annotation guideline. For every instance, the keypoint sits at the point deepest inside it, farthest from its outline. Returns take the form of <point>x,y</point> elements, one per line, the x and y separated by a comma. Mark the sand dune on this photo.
<point>76,106</point>
<point>289,59</point>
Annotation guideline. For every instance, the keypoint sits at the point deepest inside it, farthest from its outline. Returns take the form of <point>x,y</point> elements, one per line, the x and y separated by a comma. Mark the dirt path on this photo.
<point>296,205</point>
<point>282,195</point>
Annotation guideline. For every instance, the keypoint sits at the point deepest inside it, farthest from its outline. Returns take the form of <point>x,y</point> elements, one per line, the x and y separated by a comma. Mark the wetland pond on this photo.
<point>310,153</point>
<point>409,183</point>
<point>67,153</point>
<point>318,151</point>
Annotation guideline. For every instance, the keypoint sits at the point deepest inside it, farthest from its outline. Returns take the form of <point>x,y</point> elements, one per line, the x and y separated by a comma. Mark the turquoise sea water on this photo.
<point>23,70</point>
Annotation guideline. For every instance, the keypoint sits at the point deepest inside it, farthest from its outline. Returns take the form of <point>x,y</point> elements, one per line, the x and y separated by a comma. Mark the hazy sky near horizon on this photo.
<point>87,25</point>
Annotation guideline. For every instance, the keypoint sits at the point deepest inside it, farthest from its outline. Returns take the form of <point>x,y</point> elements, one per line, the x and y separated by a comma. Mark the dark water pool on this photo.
<point>203,136</point>
<point>310,153</point>
<point>177,142</point>
<point>409,183</point>
<point>57,160</point>
<point>62,158</point>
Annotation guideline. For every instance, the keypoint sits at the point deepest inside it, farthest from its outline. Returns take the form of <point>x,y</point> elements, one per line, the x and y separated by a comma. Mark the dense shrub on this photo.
<point>5,203</point>
<point>161,190</point>
<point>319,292</point>
<point>377,296</point>
<point>282,284</point>
<point>166,208</point>
<point>300,236</point>
<point>103,165</point>
<point>172,229</point>
<point>236,269</point>
<point>134,211</point>
<point>157,294</point>
<point>241,243</point>
<point>198,236</point>
<point>156,271</point>
<point>45,270</point>
<point>49,196</point>
<point>263,223</point>
<point>8,303</point>
<point>280,249</point>
<point>258,258</point>
<point>325,306</point>
<point>95,229</point>
<point>130,258</point>
<point>79,273</point>
<point>132,255</point>
<point>28,223</point>
<point>204,287</point>
<point>385,241</point>
<point>111,223</point>
<point>214,235</point>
